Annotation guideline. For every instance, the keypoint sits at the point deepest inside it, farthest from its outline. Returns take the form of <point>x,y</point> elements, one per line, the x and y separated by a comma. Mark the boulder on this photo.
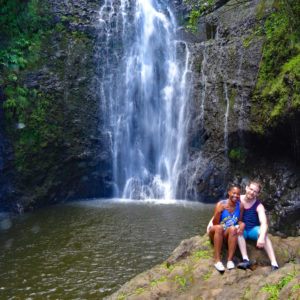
<point>189,274</point>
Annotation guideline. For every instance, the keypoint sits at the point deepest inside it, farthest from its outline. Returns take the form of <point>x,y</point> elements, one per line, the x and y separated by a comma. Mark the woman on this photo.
<point>226,225</point>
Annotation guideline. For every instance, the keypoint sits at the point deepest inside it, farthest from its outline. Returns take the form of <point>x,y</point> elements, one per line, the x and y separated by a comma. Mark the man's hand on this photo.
<point>260,242</point>
<point>241,228</point>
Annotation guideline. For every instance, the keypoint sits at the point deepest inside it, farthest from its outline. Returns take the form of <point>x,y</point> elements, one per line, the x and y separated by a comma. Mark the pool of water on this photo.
<point>88,249</point>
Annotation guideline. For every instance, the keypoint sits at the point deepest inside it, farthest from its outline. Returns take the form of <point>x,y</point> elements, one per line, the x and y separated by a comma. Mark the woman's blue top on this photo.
<point>227,219</point>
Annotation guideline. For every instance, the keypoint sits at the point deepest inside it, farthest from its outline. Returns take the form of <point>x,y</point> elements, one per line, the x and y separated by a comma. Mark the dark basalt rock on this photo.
<point>225,59</point>
<point>75,164</point>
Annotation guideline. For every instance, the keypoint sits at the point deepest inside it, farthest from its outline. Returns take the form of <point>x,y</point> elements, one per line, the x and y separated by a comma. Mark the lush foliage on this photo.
<point>21,25</point>
<point>238,155</point>
<point>278,86</point>
<point>274,290</point>
<point>200,8</point>
<point>40,58</point>
<point>24,24</point>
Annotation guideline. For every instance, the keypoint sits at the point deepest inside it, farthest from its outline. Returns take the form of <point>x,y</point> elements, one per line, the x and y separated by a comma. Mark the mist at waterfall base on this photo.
<point>88,249</point>
<point>144,90</point>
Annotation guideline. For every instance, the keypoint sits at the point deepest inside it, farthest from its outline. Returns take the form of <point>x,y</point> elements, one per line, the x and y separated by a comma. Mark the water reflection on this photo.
<point>89,249</point>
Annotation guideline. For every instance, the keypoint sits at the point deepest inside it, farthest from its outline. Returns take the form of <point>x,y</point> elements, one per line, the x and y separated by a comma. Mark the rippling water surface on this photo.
<point>88,249</point>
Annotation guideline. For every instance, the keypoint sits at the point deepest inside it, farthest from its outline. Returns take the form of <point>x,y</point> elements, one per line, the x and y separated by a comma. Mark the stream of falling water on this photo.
<point>226,119</point>
<point>144,91</point>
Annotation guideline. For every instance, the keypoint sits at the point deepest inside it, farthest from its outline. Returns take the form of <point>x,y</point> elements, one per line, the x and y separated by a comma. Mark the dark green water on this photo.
<point>88,249</point>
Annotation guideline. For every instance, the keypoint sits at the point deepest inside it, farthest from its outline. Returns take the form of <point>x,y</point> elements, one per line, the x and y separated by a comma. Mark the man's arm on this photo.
<point>263,226</point>
<point>240,222</point>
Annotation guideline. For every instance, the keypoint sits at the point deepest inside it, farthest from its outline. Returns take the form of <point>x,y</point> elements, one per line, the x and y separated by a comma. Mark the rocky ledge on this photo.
<point>189,274</point>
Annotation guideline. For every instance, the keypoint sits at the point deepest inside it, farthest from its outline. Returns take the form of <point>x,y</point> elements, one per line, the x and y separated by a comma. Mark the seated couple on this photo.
<point>236,219</point>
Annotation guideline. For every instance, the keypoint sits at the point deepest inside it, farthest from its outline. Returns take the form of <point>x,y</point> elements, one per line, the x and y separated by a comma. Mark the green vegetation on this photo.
<point>247,41</point>
<point>164,278</point>
<point>200,8</point>
<point>181,280</point>
<point>206,276</point>
<point>277,94</point>
<point>139,291</point>
<point>171,267</point>
<point>278,87</point>
<point>24,26</point>
<point>202,254</point>
<point>37,57</point>
<point>247,291</point>
<point>238,155</point>
<point>135,292</point>
<point>274,290</point>
<point>123,296</point>
<point>207,243</point>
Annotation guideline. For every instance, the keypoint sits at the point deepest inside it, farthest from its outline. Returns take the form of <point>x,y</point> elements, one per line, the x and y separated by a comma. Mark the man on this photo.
<point>256,226</point>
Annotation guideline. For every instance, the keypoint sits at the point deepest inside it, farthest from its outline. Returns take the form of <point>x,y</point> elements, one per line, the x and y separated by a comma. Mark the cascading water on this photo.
<point>204,82</point>
<point>143,94</point>
<point>226,119</point>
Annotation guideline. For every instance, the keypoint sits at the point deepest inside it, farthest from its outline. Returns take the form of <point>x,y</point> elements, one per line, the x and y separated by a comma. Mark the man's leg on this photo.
<point>253,234</point>
<point>245,264</point>
<point>270,251</point>
<point>242,246</point>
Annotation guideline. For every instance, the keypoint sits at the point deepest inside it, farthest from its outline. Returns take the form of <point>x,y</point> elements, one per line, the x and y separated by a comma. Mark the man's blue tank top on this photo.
<point>250,217</point>
<point>227,219</point>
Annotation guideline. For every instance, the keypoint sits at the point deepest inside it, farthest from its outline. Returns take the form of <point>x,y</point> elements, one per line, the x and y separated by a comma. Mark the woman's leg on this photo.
<point>230,237</point>
<point>216,235</point>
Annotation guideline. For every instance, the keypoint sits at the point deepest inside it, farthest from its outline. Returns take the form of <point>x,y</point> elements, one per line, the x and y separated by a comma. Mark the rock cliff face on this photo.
<point>189,274</point>
<point>6,177</point>
<point>225,60</point>
<point>70,158</point>
<point>75,160</point>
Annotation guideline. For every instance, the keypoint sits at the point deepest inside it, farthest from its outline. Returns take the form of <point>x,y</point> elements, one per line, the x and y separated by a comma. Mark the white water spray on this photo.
<point>226,119</point>
<point>144,91</point>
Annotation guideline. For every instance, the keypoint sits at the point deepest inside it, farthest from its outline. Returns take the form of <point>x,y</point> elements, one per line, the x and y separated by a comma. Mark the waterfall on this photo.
<point>204,82</point>
<point>143,91</point>
<point>242,117</point>
<point>226,119</point>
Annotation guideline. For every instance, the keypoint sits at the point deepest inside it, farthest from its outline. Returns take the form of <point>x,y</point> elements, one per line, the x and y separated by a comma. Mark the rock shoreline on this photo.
<point>189,274</point>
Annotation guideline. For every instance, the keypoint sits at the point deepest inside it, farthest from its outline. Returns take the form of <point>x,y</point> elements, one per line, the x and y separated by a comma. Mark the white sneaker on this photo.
<point>230,265</point>
<point>220,267</point>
